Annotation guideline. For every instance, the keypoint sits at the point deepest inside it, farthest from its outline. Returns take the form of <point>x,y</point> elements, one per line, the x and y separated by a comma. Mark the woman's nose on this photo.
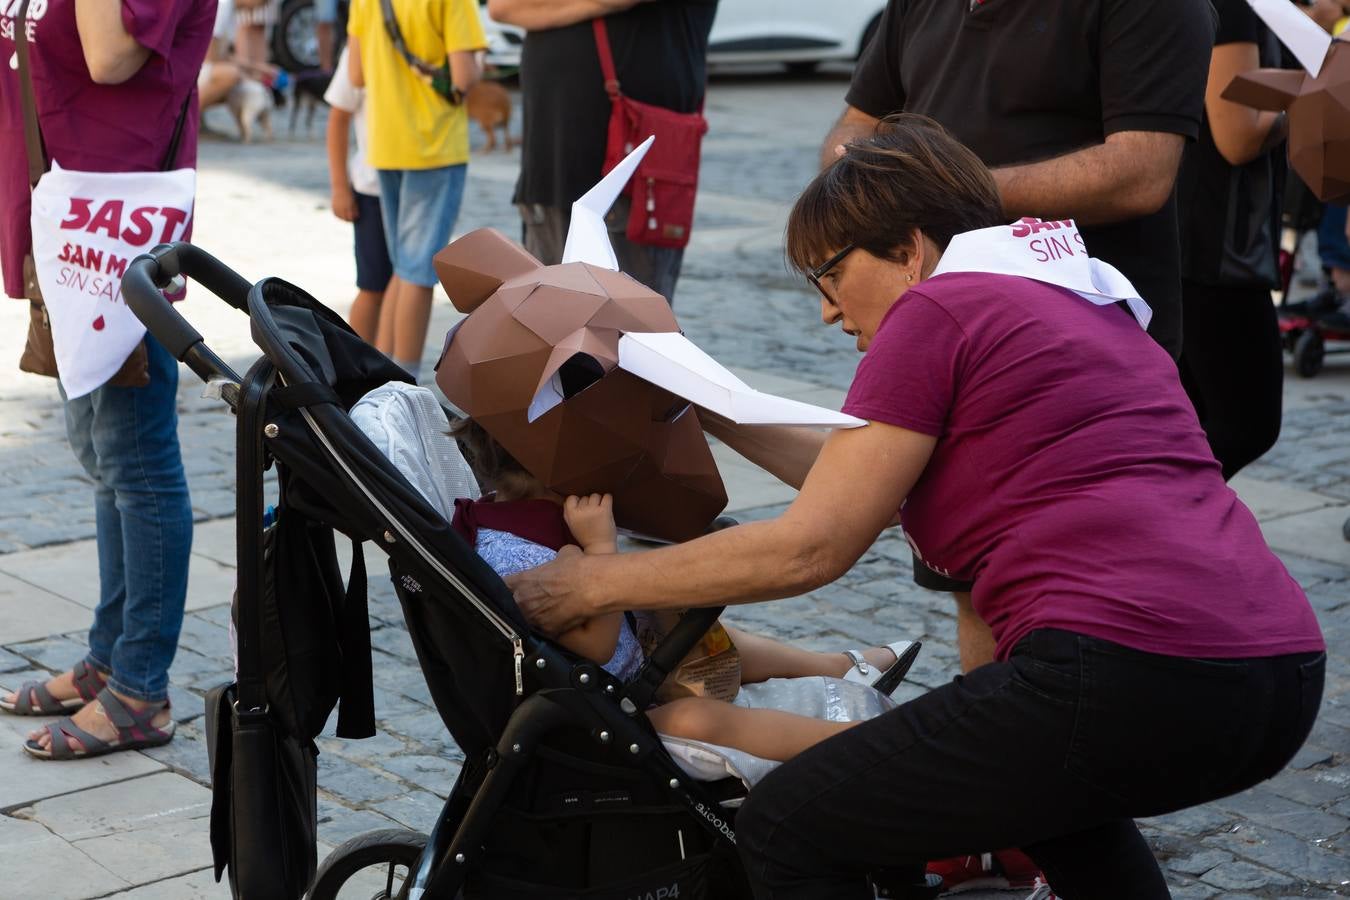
<point>829,313</point>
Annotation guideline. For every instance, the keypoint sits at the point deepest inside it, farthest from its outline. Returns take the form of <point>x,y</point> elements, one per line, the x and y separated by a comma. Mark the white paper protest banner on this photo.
<point>86,227</point>
<point>1048,251</point>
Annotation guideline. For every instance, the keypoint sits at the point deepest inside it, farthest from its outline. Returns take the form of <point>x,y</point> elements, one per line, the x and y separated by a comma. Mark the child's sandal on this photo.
<point>134,732</point>
<point>887,680</point>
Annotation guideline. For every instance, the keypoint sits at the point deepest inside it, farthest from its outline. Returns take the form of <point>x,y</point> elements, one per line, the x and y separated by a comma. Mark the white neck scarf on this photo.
<point>1049,251</point>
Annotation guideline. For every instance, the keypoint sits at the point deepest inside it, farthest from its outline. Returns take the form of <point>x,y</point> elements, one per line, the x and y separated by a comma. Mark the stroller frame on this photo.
<point>570,690</point>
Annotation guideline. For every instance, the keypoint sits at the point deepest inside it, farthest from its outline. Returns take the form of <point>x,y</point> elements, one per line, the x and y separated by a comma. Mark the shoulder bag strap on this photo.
<point>439,78</point>
<point>172,153</point>
<point>250,460</point>
<point>606,57</point>
<point>32,131</point>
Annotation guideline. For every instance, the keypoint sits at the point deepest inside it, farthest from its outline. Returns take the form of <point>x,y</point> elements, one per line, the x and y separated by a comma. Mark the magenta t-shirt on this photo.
<point>92,127</point>
<point>1071,480</point>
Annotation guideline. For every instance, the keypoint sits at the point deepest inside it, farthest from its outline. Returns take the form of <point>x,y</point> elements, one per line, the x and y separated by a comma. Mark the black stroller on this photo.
<point>566,790</point>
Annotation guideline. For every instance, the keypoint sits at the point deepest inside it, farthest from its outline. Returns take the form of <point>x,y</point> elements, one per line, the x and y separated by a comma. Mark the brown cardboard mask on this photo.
<point>1319,117</point>
<point>536,364</point>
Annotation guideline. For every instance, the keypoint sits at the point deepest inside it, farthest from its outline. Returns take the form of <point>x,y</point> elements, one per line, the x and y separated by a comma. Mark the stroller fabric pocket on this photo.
<point>685,880</point>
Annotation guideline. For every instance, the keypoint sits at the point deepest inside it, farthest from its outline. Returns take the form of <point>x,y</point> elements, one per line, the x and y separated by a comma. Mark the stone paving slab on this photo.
<point>27,780</point>
<point>31,612</point>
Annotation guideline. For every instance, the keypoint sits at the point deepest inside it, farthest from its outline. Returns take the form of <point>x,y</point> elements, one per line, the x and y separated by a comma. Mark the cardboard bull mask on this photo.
<point>1318,100</point>
<point>582,374</point>
<point>536,364</point>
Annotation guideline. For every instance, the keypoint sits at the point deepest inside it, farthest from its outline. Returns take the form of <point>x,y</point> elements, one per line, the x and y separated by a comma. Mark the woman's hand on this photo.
<point>552,596</point>
<point>591,520</point>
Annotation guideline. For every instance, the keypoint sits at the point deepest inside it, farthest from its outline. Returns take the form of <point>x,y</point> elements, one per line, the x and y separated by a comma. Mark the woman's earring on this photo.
<point>908,277</point>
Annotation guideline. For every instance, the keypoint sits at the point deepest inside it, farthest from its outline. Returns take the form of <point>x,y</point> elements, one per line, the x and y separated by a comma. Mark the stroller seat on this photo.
<point>409,426</point>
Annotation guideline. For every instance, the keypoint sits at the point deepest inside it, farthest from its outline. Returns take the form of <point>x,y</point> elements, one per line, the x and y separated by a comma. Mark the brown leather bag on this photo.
<point>39,354</point>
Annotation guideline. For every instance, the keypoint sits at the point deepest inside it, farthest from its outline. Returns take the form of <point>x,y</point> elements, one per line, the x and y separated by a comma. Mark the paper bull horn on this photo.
<point>1318,100</point>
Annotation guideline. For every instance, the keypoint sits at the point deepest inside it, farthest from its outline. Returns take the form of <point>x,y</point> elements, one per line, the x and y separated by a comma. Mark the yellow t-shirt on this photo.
<point>409,125</point>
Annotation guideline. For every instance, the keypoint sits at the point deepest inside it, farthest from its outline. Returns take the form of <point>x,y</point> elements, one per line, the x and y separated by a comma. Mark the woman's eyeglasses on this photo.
<point>820,271</point>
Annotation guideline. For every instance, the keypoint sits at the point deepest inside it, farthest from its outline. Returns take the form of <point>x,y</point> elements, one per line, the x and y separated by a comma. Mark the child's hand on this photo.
<point>344,204</point>
<point>591,520</point>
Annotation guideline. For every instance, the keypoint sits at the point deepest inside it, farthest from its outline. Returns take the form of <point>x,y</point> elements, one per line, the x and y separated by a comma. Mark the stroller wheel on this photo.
<point>371,866</point>
<point>1309,351</point>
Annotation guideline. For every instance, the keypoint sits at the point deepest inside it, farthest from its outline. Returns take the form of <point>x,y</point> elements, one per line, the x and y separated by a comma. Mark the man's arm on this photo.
<point>853,124</point>
<point>465,71</point>
<point>539,15</point>
<point>1128,176</point>
<point>110,52</point>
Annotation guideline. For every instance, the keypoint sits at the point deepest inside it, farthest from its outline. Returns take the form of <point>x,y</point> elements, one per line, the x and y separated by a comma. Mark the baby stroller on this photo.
<point>566,790</point>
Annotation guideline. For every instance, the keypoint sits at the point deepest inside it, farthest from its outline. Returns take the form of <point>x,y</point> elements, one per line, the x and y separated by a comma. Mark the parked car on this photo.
<point>295,44</point>
<point>800,34</point>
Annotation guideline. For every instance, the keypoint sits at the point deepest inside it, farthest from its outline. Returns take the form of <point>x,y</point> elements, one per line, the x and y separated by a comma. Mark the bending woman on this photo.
<point>1152,653</point>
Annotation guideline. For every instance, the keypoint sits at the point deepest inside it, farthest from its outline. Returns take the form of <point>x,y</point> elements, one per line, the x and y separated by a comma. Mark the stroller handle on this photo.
<point>142,287</point>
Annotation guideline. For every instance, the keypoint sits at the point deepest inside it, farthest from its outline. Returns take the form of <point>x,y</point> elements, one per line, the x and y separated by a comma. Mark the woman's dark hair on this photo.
<point>909,174</point>
<point>496,469</point>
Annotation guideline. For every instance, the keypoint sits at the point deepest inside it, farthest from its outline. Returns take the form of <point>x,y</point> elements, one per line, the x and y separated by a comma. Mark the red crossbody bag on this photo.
<point>663,187</point>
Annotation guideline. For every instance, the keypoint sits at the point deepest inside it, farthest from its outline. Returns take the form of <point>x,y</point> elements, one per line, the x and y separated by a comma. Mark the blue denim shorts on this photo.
<point>419,208</point>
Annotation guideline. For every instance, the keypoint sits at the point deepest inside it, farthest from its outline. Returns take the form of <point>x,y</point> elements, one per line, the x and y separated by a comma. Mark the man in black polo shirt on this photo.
<point>660,54</point>
<point>1081,108</point>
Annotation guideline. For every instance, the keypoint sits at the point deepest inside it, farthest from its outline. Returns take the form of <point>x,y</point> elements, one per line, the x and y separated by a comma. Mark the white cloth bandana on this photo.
<point>1052,252</point>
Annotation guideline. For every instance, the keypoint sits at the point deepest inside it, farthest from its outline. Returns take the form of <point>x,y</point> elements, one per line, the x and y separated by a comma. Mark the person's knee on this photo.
<point>691,718</point>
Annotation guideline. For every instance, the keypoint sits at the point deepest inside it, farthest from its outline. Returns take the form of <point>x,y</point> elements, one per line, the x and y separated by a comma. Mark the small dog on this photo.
<point>308,90</point>
<point>251,102</point>
<point>489,104</point>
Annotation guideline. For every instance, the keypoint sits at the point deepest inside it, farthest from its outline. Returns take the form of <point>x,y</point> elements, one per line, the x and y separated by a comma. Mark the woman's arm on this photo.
<point>539,15</point>
<point>861,478</point>
<point>1240,133</point>
<point>111,54</point>
<point>787,452</point>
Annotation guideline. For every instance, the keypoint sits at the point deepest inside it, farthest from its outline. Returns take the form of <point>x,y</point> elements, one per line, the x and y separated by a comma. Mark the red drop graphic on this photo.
<point>99,323</point>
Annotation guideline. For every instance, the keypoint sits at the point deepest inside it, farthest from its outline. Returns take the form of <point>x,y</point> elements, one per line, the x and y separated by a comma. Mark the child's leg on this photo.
<point>763,658</point>
<point>766,733</point>
<point>384,332</point>
<point>374,269</point>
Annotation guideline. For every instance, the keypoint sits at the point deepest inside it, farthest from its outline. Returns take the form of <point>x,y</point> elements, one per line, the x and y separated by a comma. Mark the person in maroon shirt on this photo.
<point>111,79</point>
<point>1151,652</point>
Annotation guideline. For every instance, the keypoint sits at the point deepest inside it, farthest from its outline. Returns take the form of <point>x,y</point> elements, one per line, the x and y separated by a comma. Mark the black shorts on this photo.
<point>373,266</point>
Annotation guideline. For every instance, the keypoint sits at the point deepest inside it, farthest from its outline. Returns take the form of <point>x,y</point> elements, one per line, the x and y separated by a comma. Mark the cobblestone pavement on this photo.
<point>133,825</point>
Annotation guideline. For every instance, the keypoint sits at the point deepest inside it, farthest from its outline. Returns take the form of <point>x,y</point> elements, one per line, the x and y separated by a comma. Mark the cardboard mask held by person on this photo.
<point>1318,100</point>
<point>541,362</point>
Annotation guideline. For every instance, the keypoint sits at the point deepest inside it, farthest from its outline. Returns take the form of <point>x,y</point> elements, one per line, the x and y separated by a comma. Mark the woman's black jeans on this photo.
<point>1056,751</point>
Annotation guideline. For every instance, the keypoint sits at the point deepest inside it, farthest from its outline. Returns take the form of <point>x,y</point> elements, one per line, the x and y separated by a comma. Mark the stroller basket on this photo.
<point>566,790</point>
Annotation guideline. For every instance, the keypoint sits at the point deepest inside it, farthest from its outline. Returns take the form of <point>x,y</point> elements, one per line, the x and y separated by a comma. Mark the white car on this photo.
<point>799,33</point>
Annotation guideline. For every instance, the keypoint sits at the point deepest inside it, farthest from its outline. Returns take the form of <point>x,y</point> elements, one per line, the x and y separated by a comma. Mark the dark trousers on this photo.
<point>1056,751</point>
<point>1232,367</point>
<point>544,234</point>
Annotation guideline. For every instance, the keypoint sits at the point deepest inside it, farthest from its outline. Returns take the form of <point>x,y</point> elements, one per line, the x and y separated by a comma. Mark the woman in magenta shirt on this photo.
<point>1151,652</point>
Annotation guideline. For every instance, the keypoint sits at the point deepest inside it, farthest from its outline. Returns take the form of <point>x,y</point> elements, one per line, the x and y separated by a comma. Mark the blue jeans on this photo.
<point>127,440</point>
<point>419,208</point>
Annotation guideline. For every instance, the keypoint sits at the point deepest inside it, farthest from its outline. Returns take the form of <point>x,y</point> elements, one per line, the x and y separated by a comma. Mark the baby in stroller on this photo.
<point>522,524</point>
